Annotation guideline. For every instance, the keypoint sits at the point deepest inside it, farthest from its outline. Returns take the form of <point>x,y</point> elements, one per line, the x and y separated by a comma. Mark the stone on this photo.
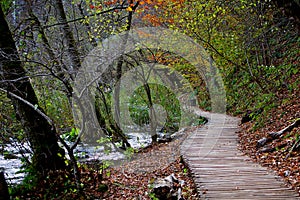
<point>167,188</point>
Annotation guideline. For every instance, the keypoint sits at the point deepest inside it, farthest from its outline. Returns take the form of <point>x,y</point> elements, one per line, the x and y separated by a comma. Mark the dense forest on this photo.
<point>108,74</point>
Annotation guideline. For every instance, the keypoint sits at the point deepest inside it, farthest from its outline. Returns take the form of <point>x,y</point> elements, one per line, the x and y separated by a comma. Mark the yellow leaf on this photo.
<point>129,9</point>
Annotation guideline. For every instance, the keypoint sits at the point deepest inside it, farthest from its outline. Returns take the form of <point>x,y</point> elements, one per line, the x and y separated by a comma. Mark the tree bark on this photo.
<point>47,155</point>
<point>4,195</point>
<point>71,50</point>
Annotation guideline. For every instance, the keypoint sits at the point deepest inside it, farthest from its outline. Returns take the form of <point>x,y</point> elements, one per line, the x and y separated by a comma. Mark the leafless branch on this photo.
<point>91,15</point>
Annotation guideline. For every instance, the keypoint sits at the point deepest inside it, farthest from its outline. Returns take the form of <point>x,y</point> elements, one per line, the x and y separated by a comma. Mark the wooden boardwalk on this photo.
<point>221,171</point>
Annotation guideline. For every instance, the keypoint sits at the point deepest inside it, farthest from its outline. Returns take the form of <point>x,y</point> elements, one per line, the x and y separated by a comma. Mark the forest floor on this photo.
<point>131,180</point>
<point>277,154</point>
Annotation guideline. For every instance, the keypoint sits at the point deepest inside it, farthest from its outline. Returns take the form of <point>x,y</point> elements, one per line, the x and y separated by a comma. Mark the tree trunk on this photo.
<point>60,67</point>
<point>71,49</point>
<point>153,119</point>
<point>4,195</point>
<point>47,155</point>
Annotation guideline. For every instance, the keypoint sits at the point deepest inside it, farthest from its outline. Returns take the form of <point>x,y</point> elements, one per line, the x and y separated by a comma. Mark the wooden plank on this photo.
<point>225,172</point>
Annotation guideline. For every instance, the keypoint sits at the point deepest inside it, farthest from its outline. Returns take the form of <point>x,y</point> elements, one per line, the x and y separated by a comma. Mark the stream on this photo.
<point>10,159</point>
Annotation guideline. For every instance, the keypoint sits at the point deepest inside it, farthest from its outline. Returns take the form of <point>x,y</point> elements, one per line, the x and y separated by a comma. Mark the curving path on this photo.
<point>221,171</point>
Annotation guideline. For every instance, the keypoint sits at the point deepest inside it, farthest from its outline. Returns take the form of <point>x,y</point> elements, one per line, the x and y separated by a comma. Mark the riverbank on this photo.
<point>132,180</point>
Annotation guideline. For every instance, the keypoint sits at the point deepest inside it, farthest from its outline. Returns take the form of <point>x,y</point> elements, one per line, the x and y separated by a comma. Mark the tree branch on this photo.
<point>30,105</point>
<point>91,15</point>
<point>273,135</point>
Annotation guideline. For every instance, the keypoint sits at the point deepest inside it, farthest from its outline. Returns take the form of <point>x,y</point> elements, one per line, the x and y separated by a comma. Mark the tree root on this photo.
<point>274,135</point>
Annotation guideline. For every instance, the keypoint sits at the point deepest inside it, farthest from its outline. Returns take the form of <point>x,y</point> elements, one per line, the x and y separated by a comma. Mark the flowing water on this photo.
<point>10,160</point>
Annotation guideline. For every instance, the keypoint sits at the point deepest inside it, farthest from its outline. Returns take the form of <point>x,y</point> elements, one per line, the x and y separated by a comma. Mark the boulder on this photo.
<point>168,188</point>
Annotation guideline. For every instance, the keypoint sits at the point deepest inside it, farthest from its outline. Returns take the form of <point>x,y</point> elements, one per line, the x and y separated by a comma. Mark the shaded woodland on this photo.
<point>44,44</point>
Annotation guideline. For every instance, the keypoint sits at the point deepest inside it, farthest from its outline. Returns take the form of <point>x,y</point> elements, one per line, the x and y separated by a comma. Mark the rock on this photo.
<point>168,188</point>
<point>164,139</point>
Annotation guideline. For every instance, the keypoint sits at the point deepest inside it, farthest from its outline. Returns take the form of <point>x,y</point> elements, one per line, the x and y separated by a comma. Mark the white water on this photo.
<point>84,152</point>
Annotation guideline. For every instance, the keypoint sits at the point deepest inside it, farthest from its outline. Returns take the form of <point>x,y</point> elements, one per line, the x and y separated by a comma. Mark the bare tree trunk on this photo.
<point>47,155</point>
<point>153,119</point>
<point>115,126</point>
<point>59,70</point>
<point>72,51</point>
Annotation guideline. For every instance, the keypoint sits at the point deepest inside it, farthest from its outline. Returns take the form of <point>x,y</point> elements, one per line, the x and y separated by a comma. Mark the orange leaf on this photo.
<point>107,3</point>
